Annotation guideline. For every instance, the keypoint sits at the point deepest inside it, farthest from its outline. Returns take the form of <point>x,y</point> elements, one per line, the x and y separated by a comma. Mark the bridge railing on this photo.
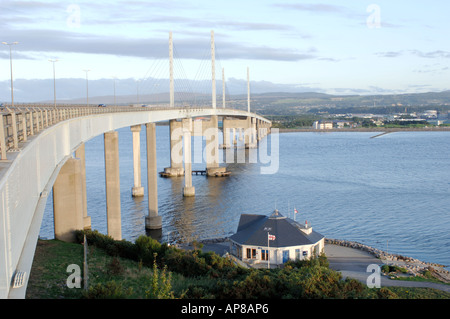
<point>18,123</point>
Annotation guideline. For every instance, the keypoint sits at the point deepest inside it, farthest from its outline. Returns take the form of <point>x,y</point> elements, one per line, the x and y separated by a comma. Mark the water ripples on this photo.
<point>389,192</point>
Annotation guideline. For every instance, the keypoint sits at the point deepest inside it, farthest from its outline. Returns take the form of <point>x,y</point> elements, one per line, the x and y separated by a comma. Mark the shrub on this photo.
<point>161,287</point>
<point>109,290</point>
<point>392,268</point>
<point>384,293</point>
<point>352,289</point>
<point>115,268</point>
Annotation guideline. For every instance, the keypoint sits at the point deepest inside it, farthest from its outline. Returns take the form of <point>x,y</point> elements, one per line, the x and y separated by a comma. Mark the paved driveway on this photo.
<point>354,263</point>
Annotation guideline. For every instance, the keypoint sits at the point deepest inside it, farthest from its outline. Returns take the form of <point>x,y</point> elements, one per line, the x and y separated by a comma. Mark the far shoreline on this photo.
<point>366,129</point>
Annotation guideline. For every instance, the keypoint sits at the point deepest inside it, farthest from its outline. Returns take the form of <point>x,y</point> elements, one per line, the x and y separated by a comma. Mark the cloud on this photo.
<point>432,54</point>
<point>19,22</point>
<point>437,54</point>
<point>189,48</point>
<point>435,69</point>
<point>389,54</point>
<point>316,8</point>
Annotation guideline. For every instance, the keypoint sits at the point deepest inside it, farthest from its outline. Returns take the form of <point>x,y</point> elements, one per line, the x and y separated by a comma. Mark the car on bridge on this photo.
<point>102,105</point>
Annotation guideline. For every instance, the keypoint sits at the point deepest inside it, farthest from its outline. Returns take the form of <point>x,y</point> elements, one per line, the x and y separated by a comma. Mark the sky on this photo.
<point>335,47</point>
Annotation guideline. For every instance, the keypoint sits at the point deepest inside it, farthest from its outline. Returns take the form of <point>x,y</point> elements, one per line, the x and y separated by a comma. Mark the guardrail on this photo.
<point>19,122</point>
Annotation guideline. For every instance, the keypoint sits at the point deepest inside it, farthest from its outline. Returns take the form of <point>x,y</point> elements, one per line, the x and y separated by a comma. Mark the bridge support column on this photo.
<point>254,133</point>
<point>258,130</point>
<point>188,189</point>
<point>249,132</point>
<point>80,153</point>
<point>112,178</point>
<point>212,148</point>
<point>137,189</point>
<point>226,137</point>
<point>68,201</point>
<point>152,221</point>
<point>176,150</point>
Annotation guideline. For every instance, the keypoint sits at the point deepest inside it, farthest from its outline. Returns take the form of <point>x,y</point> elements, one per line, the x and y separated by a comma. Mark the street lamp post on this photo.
<point>87,87</point>
<point>137,91</point>
<point>10,61</point>
<point>114,80</point>
<point>54,81</point>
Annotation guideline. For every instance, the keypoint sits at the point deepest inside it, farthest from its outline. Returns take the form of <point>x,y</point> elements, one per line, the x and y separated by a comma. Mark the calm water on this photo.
<point>390,192</point>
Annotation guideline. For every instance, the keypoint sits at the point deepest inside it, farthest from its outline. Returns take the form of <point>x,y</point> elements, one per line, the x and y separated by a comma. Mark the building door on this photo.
<point>285,256</point>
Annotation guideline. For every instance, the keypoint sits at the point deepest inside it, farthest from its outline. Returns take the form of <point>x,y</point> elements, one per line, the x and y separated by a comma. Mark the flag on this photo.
<point>271,237</point>
<point>295,211</point>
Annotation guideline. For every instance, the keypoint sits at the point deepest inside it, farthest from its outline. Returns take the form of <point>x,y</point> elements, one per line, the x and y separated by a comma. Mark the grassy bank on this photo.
<point>147,269</point>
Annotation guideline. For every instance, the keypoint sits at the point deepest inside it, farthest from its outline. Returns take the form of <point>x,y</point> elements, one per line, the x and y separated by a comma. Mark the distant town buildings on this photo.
<point>323,125</point>
<point>341,121</point>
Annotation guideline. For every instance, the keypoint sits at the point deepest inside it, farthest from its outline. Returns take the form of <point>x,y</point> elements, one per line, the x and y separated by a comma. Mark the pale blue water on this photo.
<point>390,192</point>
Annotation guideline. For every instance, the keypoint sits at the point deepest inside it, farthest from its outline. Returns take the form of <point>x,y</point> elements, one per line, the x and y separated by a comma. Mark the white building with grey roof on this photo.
<point>263,240</point>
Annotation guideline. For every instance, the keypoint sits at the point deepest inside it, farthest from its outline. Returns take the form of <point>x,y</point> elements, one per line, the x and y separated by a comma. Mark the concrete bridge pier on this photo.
<point>226,138</point>
<point>152,221</point>
<point>249,133</point>
<point>211,132</point>
<point>254,132</point>
<point>68,201</point>
<point>258,130</point>
<point>137,190</point>
<point>112,179</point>
<point>176,150</point>
<point>245,128</point>
<point>188,189</point>
<point>69,198</point>
<point>80,153</point>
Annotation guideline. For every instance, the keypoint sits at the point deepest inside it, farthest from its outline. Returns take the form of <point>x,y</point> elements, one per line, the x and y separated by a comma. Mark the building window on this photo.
<point>264,254</point>
<point>298,254</point>
<point>251,253</point>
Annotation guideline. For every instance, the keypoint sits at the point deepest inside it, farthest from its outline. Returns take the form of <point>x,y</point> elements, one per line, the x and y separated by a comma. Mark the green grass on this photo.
<point>48,278</point>
<point>419,293</point>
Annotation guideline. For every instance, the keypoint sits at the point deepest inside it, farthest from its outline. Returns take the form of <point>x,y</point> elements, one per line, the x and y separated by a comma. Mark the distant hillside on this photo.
<point>266,97</point>
<point>294,103</point>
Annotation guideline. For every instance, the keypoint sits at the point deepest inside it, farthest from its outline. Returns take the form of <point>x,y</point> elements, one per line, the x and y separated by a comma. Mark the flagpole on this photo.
<point>268,256</point>
<point>289,209</point>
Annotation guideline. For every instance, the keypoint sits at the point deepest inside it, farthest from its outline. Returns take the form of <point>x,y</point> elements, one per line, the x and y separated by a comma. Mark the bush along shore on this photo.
<point>412,265</point>
<point>149,269</point>
<point>200,274</point>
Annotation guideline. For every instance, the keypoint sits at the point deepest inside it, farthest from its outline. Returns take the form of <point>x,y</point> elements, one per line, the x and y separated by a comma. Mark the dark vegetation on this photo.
<point>148,269</point>
<point>195,274</point>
